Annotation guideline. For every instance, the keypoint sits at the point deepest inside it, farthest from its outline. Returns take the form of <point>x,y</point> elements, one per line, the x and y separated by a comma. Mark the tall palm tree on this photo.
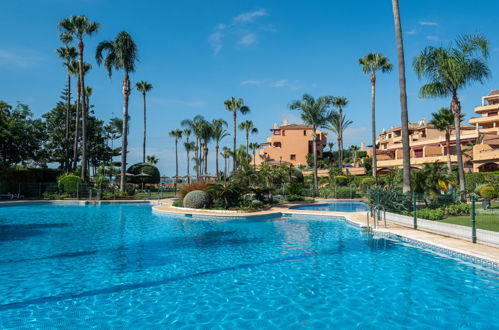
<point>235,105</point>
<point>371,63</point>
<point>449,70</point>
<point>121,54</point>
<point>353,149</point>
<point>340,102</point>
<point>226,154</point>
<point>144,87</point>
<point>152,159</point>
<point>77,27</point>
<point>194,125</point>
<point>338,124</point>
<point>75,70</point>
<point>189,146</point>
<point>314,112</point>
<point>443,120</point>
<point>404,115</point>
<point>205,136</point>
<point>254,147</point>
<point>218,133</point>
<point>177,135</point>
<point>68,54</point>
<point>248,127</point>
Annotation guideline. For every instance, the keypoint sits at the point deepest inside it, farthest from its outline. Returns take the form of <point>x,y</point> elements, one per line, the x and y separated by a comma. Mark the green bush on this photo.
<point>430,214</point>
<point>256,204</point>
<point>488,192</point>
<point>340,180</point>
<point>146,168</point>
<point>457,209</point>
<point>197,199</point>
<point>178,203</point>
<point>368,181</point>
<point>68,183</point>
<point>346,192</point>
<point>295,198</point>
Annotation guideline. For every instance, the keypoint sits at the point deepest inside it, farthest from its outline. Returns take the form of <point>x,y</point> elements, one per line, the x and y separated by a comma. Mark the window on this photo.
<point>292,157</point>
<point>277,132</point>
<point>304,133</point>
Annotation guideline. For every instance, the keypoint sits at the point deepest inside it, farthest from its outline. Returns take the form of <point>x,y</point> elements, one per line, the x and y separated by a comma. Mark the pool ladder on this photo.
<point>375,213</point>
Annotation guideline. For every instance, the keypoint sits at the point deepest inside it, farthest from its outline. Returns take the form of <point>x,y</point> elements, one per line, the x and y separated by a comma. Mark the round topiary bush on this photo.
<point>145,168</point>
<point>488,192</point>
<point>197,199</point>
<point>68,183</point>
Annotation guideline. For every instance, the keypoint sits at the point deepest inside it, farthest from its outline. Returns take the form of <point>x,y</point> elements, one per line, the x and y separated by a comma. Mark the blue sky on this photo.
<point>199,53</point>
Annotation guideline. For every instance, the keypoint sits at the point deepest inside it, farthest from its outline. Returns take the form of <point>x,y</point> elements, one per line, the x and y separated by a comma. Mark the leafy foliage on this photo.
<point>144,168</point>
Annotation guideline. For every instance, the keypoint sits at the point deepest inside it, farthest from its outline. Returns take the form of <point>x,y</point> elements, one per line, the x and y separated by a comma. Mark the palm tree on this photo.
<point>254,147</point>
<point>218,132</point>
<point>194,125</point>
<point>189,146</point>
<point>371,63</point>
<point>330,145</point>
<point>77,27</point>
<point>404,115</point>
<point>443,120</point>
<point>450,69</point>
<point>74,68</point>
<point>176,134</point>
<point>205,136</point>
<point>152,159</point>
<point>248,127</point>
<point>121,54</point>
<point>354,149</point>
<point>235,105</point>
<point>314,112</point>
<point>340,102</point>
<point>337,124</point>
<point>68,54</point>
<point>226,154</point>
<point>144,87</point>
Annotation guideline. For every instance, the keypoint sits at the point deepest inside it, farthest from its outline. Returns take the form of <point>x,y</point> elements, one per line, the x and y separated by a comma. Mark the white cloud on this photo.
<point>432,38</point>
<point>280,83</point>
<point>247,40</point>
<point>250,82</point>
<point>412,32</point>
<point>19,59</point>
<point>239,30</point>
<point>250,16</point>
<point>427,23</point>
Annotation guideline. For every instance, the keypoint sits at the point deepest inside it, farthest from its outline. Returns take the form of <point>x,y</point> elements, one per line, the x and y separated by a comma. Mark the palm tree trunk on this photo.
<point>77,125</point>
<point>447,146</point>
<point>314,150</point>
<point>234,148</point>
<point>216,159</point>
<point>340,146</point>
<point>225,168</point>
<point>83,114</point>
<point>456,109</point>
<point>404,116</point>
<point>145,129</point>
<point>247,145</point>
<point>205,158</point>
<point>124,130</point>
<point>373,124</point>
<point>254,159</point>
<point>176,161</point>
<point>188,168</point>
<point>68,115</point>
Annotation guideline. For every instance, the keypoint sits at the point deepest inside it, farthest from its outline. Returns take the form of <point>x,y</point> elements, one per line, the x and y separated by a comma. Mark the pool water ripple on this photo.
<point>123,266</point>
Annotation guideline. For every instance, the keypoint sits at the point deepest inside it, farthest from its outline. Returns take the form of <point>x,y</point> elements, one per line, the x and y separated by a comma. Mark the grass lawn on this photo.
<point>154,195</point>
<point>487,222</point>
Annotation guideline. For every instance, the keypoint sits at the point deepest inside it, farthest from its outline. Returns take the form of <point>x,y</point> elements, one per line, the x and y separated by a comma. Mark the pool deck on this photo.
<point>480,251</point>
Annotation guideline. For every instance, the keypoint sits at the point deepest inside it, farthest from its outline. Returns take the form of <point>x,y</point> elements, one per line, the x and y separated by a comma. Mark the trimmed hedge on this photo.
<point>146,168</point>
<point>197,199</point>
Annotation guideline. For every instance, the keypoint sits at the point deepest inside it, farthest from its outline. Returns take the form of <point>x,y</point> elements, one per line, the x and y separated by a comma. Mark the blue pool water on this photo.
<point>336,206</point>
<point>123,266</point>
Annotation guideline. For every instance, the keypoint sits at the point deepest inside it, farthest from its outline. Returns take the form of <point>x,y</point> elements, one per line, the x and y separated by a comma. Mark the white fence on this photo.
<point>463,232</point>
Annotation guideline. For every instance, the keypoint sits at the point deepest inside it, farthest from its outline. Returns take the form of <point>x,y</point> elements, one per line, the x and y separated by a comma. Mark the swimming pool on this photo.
<point>124,266</point>
<point>336,206</point>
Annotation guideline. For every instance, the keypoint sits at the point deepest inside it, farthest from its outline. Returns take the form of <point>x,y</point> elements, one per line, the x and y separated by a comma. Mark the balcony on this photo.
<point>483,120</point>
<point>485,152</point>
<point>486,108</point>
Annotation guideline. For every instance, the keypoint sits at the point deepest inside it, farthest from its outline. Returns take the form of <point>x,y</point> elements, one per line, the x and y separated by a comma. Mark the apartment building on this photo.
<point>479,142</point>
<point>289,144</point>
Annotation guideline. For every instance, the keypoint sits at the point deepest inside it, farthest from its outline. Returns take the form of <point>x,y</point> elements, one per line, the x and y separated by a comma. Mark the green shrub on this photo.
<point>146,168</point>
<point>488,192</point>
<point>346,192</point>
<point>118,194</point>
<point>68,183</point>
<point>197,199</point>
<point>368,181</point>
<point>340,180</point>
<point>256,204</point>
<point>457,209</point>
<point>295,198</point>
<point>430,214</point>
<point>178,203</point>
